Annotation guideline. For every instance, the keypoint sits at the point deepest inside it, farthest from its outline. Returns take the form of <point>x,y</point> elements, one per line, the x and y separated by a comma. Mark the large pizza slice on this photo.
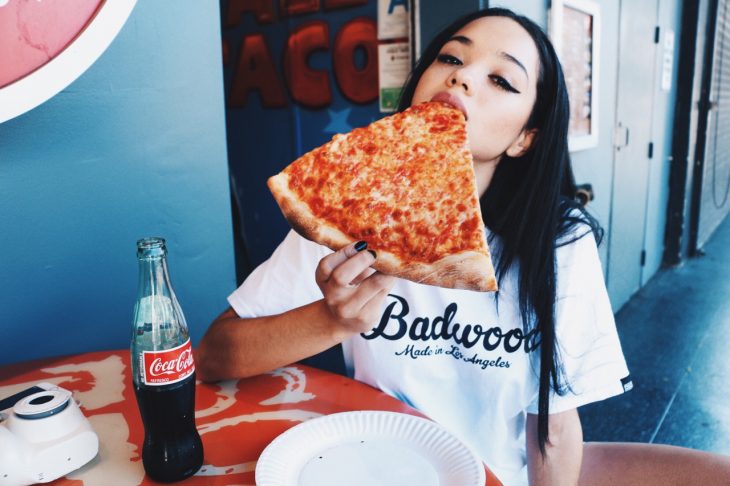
<point>404,184</point>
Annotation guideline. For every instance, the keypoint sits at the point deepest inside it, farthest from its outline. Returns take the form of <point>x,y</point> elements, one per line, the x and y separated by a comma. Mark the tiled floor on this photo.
<point>675,333</point>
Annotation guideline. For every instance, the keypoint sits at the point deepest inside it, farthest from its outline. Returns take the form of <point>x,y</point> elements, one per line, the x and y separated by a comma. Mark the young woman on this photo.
<point>505,372</point>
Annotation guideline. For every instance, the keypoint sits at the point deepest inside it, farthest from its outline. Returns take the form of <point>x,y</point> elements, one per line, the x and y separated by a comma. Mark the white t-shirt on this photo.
<point>461,357</point>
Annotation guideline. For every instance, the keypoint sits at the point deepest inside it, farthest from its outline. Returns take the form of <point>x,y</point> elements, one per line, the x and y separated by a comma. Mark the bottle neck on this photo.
<point>154,278</point>
<point>159,322</point>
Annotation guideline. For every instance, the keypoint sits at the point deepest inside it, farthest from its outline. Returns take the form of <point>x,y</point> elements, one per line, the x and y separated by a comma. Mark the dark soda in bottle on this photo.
<point>163,371</point>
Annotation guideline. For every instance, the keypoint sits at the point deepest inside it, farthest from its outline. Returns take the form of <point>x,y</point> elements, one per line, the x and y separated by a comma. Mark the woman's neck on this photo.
<point>484,172</point>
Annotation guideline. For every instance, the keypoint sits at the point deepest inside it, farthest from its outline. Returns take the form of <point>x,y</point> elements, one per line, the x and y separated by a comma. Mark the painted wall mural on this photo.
<point>296,73</point>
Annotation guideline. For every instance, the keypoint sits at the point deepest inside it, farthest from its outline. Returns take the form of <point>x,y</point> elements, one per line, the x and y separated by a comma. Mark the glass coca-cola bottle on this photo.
<point>163,371</point>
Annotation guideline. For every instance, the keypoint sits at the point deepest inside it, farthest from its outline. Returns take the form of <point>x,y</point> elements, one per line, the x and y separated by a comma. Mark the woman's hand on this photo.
<point>353,292</point>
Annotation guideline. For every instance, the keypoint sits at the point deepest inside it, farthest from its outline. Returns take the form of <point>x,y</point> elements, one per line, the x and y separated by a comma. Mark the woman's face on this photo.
<point>489,70</point>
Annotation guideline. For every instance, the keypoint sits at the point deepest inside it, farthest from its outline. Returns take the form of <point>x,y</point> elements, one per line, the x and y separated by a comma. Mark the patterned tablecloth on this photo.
<point>236,419</point>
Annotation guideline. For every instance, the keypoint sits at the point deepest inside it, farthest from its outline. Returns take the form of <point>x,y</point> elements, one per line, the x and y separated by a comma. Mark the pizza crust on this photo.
<point>459,271</point>
<point>301,218</point>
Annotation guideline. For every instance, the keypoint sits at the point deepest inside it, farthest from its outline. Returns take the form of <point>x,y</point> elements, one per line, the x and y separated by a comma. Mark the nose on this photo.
<point>461,79</point>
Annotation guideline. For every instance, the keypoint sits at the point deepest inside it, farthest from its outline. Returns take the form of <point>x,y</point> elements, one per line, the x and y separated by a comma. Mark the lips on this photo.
<point>452,100</point>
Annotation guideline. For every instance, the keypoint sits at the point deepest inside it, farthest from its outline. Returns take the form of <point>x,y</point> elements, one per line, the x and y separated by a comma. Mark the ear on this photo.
<point>522,144</point>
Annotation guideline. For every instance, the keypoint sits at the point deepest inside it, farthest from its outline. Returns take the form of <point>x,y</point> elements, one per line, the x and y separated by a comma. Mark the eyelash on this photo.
<point>502,83</point>
<point>449,59</point>
<point>498,80</point>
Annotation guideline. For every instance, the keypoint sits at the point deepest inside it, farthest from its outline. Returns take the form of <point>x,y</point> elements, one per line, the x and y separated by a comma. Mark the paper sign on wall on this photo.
<point>394,64</point>
<point>392,19</point>
<point>394,53</point>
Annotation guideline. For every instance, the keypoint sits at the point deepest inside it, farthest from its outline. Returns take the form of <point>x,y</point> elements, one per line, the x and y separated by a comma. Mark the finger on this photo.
<point>376,300</point>
<point>346,273</point>
<point>364,300</point>
<point>376,285</point>
<point>365,274</point>
<point>329,263</point>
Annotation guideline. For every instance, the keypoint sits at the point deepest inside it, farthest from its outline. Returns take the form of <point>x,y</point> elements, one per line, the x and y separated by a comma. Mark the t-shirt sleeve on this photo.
<point>283,282</point>
<point>588,344</point>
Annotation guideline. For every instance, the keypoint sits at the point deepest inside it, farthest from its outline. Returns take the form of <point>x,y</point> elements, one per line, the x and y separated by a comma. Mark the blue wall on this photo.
<point>134,147</point>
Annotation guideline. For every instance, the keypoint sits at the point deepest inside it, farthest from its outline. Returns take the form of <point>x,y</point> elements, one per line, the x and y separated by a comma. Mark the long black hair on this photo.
<point>530,202</point>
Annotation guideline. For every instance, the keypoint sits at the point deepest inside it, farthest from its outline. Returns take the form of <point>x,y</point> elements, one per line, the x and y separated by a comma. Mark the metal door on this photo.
<point>711,202</point>
<point>637,51</point>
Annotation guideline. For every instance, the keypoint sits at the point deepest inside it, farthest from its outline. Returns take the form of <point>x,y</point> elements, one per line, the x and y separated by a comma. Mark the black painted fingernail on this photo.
<point>360,245</point>
<point>373,253</point>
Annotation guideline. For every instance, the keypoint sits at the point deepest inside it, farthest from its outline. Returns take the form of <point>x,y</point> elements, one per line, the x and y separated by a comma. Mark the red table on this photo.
<point>237,419</point>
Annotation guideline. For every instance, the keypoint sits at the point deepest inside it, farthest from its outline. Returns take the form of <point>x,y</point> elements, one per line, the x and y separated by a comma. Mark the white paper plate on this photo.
<point>368,448</point>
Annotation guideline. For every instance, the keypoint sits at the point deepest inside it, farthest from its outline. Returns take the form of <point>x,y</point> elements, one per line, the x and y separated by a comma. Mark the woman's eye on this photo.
<point>503,83</point>
<point>448,59</point>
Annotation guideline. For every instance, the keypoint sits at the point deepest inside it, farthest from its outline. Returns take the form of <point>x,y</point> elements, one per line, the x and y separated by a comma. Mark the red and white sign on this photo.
<point>168,366</point>
<point>46,44</point>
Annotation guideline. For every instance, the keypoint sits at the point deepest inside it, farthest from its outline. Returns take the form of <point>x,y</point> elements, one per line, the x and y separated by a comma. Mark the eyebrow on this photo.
<point>516,61</point>
<point>461,39</point>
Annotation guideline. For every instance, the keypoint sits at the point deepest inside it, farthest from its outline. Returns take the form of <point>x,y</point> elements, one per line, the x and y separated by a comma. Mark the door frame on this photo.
<point>705,108</point>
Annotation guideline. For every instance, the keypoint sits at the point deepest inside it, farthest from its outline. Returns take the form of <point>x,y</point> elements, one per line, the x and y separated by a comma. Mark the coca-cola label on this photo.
<point>168,366</point>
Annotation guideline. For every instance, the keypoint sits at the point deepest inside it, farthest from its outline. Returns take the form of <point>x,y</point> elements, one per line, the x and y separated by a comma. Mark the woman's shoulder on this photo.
<point>576,224</point>
<point>578,238</point>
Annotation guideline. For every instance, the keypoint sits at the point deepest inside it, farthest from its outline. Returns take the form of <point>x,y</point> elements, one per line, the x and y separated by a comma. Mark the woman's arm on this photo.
<point>563,451</point>
<point>235,347</point>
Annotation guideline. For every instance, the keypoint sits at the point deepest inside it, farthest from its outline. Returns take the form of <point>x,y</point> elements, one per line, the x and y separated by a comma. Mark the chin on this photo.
<point>481,160</point>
